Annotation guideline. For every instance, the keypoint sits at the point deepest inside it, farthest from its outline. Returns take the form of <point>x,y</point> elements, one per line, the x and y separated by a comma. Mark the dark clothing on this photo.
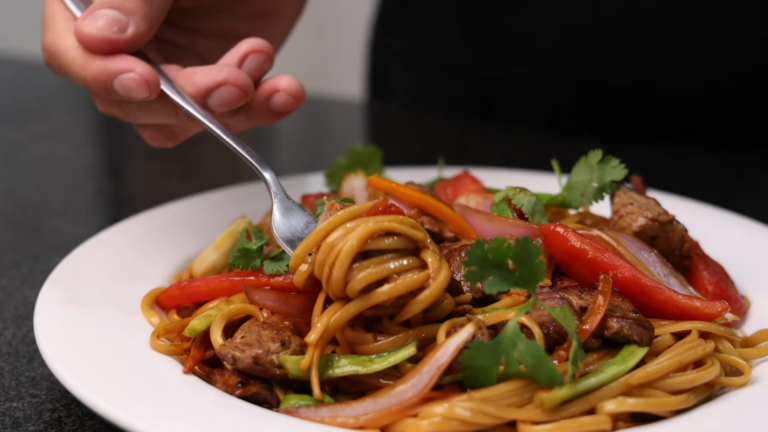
<point>634,69</point>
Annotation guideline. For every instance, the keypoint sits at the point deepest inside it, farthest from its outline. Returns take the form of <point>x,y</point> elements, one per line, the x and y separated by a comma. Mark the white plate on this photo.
<point>92,335</point>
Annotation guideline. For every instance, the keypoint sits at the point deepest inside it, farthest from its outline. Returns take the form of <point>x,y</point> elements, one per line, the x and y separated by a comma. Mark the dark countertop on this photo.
<point>66,172</point>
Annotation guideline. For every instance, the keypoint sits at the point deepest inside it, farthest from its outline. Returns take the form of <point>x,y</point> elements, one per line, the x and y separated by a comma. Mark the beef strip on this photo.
<point>332,207</point>
<point>481,334</point>
<point>453,253</point>
<point>644,218</point>
<point>437,229</point>
<point>422,188</point>
<point>638,183</point>
<point>258,349</point>
<point>622,324</point>
<point>253,390</point>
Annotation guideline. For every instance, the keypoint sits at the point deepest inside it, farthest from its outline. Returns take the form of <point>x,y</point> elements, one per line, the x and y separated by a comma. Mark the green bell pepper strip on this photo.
<point>614,369</point>
<point>204,320</point>
<point>339,365</point>
<point>297,400</point>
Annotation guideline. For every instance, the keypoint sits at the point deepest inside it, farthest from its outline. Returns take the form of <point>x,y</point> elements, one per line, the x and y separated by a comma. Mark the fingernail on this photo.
<point>131,85</point>
<point>107,21</point>
<point>225,98</point>
<point>256,65</point>
<point>281,102</point>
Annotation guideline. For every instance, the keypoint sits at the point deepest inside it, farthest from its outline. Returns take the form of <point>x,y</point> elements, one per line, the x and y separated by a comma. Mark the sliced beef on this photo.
<point>332,208</point>
<point>622,324</point>
<point>257,350</point>
<point>422,188</point>
<point>436,228</point>
<point>453,253</point>
<point>638,183</point>
<point>481,334</point>
<point>253,390</point>
<point>644,218</point>
<point>554,333</point>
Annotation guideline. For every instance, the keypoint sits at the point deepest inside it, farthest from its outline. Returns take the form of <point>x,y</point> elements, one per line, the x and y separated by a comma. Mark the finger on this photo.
<point>118,76</point>
<point>254,56</point>
<point>274,99</point>
<point>120,26</point>
<point>218,88</point>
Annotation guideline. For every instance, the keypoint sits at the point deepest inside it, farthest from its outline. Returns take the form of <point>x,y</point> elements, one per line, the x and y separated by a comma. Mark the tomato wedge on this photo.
<point>458,185</point>
<point>383,207</point>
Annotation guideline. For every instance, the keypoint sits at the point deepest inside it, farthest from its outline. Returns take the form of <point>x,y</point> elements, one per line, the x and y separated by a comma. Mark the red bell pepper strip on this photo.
<point>711,280</point>
<point>200,345</point>
<point>458,185</point>
<point>227,284</point>
<point>584,259</point>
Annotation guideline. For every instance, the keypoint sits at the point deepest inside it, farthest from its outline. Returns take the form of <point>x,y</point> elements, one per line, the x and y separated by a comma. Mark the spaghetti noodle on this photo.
<point>384,282</point>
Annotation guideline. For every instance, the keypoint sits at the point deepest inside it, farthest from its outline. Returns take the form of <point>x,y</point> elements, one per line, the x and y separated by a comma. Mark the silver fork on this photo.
<point>290,222</point>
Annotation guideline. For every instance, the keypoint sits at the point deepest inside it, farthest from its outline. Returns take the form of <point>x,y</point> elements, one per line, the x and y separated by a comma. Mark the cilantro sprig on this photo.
<point>368,158</point>
<point>440,173</point>
<point>489,265</point>
<point>592,178</point>
<point>522,198</point>
<point>320,204</point>
<point>511,354</point>
<point>248,254</point>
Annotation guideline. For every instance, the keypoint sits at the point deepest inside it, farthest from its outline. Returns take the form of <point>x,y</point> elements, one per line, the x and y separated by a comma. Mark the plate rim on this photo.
<point>87,399</point>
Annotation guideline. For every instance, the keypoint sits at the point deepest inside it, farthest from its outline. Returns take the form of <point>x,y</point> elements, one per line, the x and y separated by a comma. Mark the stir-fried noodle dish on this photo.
<point>450,305</point>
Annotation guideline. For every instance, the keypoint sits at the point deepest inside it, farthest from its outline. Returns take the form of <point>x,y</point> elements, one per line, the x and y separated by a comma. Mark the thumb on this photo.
<point>120,26</point>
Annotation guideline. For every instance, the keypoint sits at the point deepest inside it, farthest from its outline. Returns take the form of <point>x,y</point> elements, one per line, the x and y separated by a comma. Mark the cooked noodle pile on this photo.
<point>384,284</point>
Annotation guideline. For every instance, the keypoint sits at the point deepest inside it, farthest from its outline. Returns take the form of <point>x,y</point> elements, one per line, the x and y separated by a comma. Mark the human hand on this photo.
<point>216,51</point>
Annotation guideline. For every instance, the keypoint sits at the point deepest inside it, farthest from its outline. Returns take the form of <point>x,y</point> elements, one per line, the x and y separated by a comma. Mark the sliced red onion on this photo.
<point>656,263</point>
<point>284,303</point>
<point>488,225</point>
<point>478,201</point>
<point>355,185</point>
<point>377,409</point>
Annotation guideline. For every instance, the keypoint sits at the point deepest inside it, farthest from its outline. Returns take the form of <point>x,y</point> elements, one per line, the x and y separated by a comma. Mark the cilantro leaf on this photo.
<point>440,168</point>
<point>490,265</point>
<point>501,207</point>
<point>523,199</point>
<point>521,357</point>
<point>277,262</point>
<point>593,177</point>
<point>479,363</point>
<point>558,172</point>
<point>369,158</point>
<point>563,316</point>
<point>248,253</point>
<point>320,204</point>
